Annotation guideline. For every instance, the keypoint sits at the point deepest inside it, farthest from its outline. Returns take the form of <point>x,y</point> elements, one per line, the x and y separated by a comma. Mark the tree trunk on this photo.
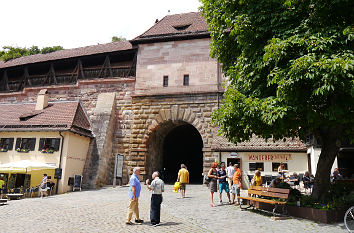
<point>330,148</point>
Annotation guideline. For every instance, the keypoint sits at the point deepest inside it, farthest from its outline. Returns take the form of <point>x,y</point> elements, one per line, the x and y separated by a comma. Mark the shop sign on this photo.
<point>268,157</point>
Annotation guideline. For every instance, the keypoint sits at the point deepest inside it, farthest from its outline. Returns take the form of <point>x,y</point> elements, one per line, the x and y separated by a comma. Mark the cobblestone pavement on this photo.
<point>105,210</point>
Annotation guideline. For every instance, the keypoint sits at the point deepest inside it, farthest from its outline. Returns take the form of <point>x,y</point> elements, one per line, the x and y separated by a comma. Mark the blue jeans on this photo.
<point>155,208</point>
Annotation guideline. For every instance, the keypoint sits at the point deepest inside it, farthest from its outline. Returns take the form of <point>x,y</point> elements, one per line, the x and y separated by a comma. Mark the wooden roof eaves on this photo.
<point>170,37</point>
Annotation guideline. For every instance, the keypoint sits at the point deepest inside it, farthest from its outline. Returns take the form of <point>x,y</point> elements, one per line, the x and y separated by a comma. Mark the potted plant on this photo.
<point>22,150</point>
<point>47,151</point>
<point>3,150</point>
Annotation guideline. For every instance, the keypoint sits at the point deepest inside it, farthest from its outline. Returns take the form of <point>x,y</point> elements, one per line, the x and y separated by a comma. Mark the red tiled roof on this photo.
<point>68,53</point>
<point>259,144</point>
<point>176,25</point>
<point>58,116</point>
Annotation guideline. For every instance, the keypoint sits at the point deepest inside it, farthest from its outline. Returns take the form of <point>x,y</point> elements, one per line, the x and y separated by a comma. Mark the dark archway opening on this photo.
<point>183,144</point>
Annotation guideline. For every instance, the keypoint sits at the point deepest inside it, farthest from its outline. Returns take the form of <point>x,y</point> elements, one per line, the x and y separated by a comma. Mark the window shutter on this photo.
<point>32,144</point>
<point>56,144</point>
<point>18,143</point>
<point>41,144</point>
<point>11,144</point>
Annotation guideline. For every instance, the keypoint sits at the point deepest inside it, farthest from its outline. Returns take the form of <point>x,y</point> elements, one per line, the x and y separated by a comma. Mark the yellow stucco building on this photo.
<point>55,134</point>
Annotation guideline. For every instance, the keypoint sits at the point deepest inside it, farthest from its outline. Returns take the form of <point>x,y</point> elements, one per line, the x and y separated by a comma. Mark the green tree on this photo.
<point>290,69</point>
<point>118,38</point>
<point>51,49</point>
<point>10,52</point>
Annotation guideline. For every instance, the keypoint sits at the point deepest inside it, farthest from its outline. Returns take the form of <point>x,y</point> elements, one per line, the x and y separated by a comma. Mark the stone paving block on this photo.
<point>105,210</point>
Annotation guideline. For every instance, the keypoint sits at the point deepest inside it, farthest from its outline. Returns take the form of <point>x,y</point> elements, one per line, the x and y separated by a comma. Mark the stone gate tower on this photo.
<point>177,87</point>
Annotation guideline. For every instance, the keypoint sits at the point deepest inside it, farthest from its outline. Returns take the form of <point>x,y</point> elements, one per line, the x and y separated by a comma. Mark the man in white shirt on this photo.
<point>230,170</point>
<point>157,187</point>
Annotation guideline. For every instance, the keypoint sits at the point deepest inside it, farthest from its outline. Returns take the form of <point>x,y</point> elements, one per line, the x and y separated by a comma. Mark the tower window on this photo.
<point>165,81</point>
<point>186,80</point>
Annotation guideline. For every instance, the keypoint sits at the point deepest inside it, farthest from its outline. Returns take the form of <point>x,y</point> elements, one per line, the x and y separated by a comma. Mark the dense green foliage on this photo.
<point>290,65</point>
<point>118,38</point>
<point>290,69</point>
<point>10,52</point>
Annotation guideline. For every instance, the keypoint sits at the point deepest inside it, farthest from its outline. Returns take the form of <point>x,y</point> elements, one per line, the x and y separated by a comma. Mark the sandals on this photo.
<point>212,205</point>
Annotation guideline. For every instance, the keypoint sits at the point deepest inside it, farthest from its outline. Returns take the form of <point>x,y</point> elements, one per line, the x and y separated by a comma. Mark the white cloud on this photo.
<point>77,23</point>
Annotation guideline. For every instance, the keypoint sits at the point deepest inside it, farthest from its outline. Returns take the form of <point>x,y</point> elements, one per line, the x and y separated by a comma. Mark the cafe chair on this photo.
<point>268,180</point>
<point>35,190</point>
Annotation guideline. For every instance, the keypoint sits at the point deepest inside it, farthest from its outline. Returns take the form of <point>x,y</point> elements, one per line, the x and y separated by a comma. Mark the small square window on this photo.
<point>25,144</point>
<point>276,165</point>
<point>49,144</point>
<point>186,80</point>
<point>165,81</point>
<point>256,166</point>
<point>6,144</point>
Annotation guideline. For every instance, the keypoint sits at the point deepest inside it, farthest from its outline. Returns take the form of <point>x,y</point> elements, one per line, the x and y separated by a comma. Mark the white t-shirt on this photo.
<point>230,171</point>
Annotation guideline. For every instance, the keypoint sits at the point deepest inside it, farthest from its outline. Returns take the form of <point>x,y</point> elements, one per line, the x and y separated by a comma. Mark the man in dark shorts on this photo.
<point>183,179</point>
<point>223,184</point>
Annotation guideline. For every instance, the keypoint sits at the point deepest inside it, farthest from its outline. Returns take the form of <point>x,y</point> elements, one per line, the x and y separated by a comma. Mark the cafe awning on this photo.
<point>24,166</point>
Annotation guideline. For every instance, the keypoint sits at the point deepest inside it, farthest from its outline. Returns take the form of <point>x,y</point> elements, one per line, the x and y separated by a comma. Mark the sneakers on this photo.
<point>139,220</point>
<point>155,224</point>
<point>220,202</point>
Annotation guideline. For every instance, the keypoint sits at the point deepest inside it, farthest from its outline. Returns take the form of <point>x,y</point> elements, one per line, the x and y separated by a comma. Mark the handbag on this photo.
<point>207,180</point>
<point>176,187</point>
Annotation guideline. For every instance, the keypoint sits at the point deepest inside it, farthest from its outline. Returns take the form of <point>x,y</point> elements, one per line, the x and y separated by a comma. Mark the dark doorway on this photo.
<point>183,144</point>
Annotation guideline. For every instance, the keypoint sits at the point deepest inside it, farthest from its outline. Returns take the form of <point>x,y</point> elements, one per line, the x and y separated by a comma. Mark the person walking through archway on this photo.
<point>183,179</point>
<point>134,194</point>
<point>157,187</point>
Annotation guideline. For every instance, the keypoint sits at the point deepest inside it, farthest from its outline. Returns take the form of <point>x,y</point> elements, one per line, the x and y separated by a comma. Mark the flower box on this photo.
<point>47,152</point>
<point>22,150</point>
<point>3,150</point>
<point>318,215</point>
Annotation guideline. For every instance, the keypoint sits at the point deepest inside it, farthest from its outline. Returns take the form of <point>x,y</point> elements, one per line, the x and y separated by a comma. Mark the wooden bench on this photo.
<point>14,196</point>
<point>255,194</point>
<point>3,201</point>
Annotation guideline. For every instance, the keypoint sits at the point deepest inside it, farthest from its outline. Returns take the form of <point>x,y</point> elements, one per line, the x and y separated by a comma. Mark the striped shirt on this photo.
<point>157,186</point>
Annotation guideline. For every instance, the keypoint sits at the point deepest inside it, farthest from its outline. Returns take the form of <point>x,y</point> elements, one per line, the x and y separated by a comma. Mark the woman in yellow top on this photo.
<point>257,179</point>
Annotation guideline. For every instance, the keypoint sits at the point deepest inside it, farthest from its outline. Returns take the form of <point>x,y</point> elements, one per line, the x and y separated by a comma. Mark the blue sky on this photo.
<point>77,23</point>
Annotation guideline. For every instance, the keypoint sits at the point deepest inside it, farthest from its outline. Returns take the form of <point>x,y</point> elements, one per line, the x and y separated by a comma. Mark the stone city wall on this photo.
<point>87,91</point>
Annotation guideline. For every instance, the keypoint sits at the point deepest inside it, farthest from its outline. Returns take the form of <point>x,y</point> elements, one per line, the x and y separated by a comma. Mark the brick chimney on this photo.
<point>42,100</point>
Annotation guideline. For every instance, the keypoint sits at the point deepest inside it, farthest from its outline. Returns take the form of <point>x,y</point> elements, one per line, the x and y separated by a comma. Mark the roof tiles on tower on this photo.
<point>174,26</point>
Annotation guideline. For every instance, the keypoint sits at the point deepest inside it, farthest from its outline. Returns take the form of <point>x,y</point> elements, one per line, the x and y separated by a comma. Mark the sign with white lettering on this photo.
<point>267,157</point>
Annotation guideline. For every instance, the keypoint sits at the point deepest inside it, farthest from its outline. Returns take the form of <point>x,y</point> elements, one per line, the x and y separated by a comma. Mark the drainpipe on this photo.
<point>61,155</point>
<point>219,87</point>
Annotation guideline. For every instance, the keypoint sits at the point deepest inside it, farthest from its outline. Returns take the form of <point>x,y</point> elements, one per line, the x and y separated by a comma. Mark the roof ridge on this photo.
<point>62,50</point>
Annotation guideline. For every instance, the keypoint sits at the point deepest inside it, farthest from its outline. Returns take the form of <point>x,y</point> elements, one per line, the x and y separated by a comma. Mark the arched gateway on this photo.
<point>171,144</point>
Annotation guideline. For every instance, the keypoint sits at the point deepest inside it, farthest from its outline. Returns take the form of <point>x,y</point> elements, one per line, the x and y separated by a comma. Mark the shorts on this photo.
<point>236,189</point>
<point>182,186</point>
<point>224,186</point>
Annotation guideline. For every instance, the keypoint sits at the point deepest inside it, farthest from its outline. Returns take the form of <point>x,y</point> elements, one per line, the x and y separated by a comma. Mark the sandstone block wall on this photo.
<point>176,59</point>
<point>155,116</point>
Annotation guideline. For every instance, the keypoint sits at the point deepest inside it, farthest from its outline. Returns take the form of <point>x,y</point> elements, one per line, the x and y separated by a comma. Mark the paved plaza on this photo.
<point>105,210</point>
